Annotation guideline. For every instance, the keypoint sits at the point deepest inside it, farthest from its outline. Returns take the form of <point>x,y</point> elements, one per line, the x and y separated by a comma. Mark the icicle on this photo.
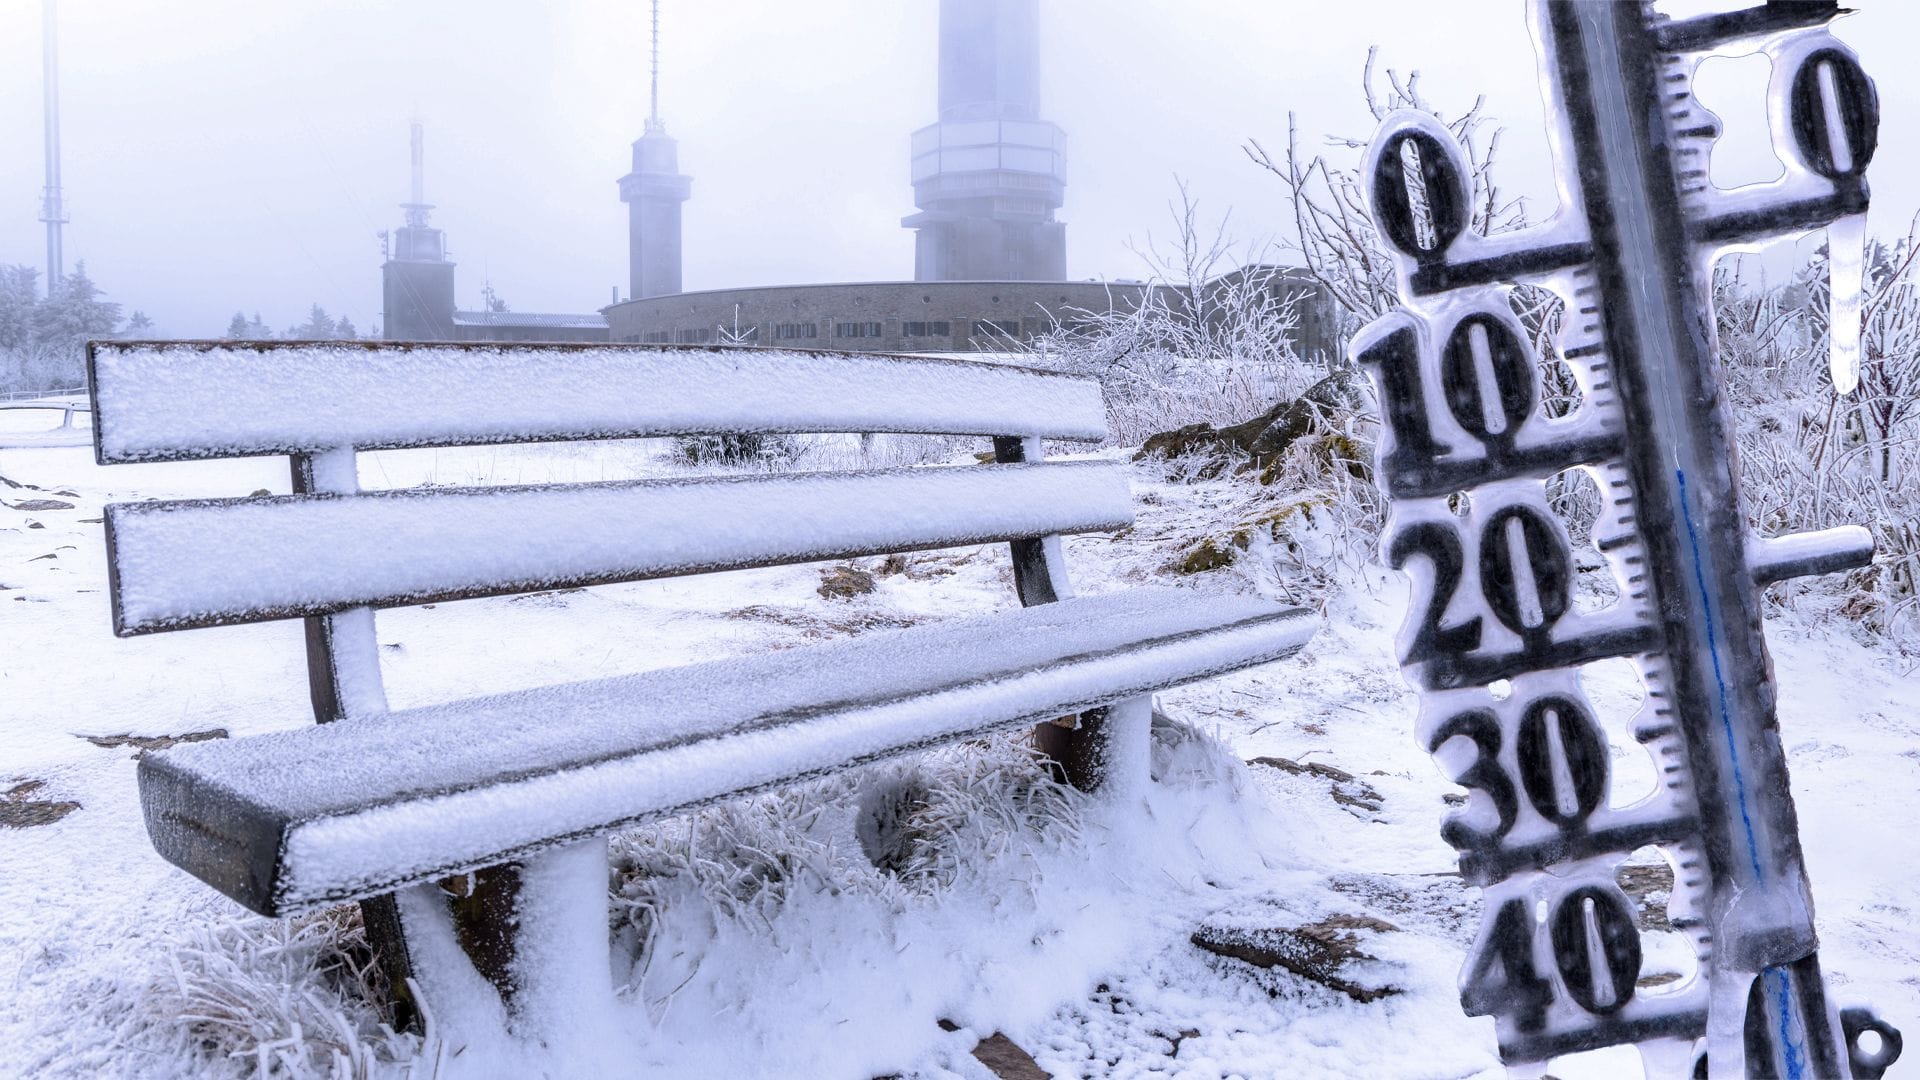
<point>1846,251</point>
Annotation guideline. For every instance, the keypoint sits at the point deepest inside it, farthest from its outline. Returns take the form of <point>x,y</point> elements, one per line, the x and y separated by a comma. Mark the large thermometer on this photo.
<point>1494,640</point>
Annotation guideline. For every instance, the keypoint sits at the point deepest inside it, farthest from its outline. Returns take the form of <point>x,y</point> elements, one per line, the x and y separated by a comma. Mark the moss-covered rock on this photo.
<point>1258,443</point>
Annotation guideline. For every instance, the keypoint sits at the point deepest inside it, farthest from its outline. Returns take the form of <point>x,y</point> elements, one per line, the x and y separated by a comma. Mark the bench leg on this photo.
<point>1108,751</point>
<point>561,980</point>
<point>531,937</point>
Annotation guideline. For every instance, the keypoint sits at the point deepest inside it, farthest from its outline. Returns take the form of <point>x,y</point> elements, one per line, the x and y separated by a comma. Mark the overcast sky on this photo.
<point>224,155</point>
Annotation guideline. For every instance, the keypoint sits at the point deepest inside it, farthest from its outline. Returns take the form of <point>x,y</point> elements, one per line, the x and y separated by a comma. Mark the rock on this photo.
<point>19,811</point>
<point>35,525</point>
<point>845,583</point>
<point>144,743</point>
<point>1347,790</point>
<point>1649,887</point>
<point>1002,1056</point>
<point>1183,1035</point>
<point>1327,952</point>
<point>1007,1061</point>
<point>1207,555</point>
<point>38,505</point>
<point>1265,437</point>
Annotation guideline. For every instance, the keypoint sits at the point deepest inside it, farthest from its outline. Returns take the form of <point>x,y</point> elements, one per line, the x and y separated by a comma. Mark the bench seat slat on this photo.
<point>170,401</point>
<point>295,820</point>
<point>215,561</point>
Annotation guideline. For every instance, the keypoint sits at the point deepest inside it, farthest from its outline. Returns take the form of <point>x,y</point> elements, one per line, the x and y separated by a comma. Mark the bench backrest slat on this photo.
<point>215,561</point>
<point>164,401</point>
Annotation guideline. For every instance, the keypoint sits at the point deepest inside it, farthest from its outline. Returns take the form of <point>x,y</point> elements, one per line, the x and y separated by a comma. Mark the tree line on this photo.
<point>43,337</point>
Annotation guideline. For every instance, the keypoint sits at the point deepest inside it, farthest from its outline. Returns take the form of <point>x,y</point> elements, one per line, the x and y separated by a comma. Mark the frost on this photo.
<point>190,400</point>
<point>212,561</point>
<point>370,803</point>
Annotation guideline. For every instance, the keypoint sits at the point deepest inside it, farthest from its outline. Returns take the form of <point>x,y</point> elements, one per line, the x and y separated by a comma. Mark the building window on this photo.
<point>693,337</point>
<point>941,328</point>
<point>659,337</point>
<point>856,329</point>
<point>1008,328</point>
<point>790,331</point>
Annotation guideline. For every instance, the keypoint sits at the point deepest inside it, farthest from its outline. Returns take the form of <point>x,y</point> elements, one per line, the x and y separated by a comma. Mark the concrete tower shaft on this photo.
<point>989,60</point>
<point>653,192</point>
<point>990,174</point>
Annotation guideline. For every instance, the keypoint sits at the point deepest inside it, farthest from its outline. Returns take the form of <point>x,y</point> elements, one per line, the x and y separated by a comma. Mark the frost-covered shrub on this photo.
<point>948,810</point>
<point>1812,460</point>
<point>737,450</point>
<point>1194,355</point>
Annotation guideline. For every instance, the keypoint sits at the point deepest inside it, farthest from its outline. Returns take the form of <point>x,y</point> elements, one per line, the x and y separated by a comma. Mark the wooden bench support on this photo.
<point>523,945</point>
<point>343,679</point>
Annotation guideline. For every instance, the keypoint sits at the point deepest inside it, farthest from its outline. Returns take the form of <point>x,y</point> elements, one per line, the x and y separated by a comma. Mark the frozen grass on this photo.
<point>216,994</point>
<point>696,901</point>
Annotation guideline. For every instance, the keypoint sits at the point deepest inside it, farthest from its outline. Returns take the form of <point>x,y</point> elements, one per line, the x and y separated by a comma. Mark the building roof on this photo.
<point>530,319</point>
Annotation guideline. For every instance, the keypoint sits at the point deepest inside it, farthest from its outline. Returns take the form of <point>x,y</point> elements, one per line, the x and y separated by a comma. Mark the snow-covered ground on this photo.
<point>759,939</point>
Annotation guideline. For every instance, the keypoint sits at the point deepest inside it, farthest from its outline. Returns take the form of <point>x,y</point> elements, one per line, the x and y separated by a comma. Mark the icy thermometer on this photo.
<point>1495,641</point>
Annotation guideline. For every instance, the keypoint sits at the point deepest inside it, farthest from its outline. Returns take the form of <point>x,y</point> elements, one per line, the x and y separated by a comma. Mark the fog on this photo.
<point>224,155</point>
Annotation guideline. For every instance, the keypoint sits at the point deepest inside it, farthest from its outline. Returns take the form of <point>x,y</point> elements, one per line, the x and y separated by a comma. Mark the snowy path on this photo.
<point>1074,945</point>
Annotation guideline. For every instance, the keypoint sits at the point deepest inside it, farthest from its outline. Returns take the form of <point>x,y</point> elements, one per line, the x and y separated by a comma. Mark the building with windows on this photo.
<point>873,316</point>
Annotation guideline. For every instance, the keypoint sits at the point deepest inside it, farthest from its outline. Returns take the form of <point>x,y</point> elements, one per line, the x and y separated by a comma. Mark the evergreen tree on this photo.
<point>345,330</point>
<point>318,327</point>
<point>62,325</point>
<point>19,297</point>
<point>138,326</point>
<point>237,328</point>
<point>74,313</point>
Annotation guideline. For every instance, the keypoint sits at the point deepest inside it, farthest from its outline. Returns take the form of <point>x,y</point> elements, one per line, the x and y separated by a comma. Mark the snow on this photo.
<point>205,561</point>
<point>371,803</point>
<point>198,400</point>
<point>1065,927</point>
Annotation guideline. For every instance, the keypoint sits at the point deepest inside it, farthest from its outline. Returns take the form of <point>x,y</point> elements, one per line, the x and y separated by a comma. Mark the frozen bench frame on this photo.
<point>503,800</point>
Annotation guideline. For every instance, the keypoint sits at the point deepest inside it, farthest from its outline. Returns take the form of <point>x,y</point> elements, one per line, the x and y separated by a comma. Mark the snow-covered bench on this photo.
<point>375,805</point>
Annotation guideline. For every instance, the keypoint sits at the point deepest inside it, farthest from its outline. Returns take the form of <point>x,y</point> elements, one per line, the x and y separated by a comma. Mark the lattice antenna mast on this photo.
<point>653,91</point>
<point>53,209</point>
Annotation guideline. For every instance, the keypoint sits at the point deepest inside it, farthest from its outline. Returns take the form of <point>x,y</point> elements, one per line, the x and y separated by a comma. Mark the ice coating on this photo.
<point>1493,640</point>
<point>168,400</point>
<point>1846,251</point>
<point>206,562</point>
<point>360,806</point>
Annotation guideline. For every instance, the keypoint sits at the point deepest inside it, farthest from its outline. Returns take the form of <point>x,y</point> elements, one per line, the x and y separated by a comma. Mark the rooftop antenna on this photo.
<point>653,114</point>
<point>418,205</point>
<point>52,210</point>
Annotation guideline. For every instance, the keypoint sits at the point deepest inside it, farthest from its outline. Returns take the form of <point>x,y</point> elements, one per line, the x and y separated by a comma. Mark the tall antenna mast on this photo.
<point>418,205</point>
<point>653,114</point>
<point>52,210</point>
